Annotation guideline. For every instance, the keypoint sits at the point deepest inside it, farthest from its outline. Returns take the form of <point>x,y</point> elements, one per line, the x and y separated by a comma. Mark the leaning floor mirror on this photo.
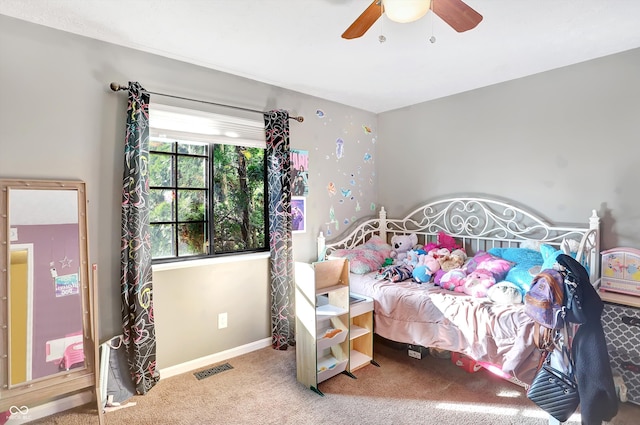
<point>48,346</point>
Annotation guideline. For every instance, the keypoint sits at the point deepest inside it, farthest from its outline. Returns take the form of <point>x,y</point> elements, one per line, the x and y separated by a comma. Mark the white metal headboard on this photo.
<point>478,224</point>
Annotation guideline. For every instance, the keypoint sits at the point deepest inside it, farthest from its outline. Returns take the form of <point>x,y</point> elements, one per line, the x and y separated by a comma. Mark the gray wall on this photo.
<point>564,142</point>
<point>60,120</point>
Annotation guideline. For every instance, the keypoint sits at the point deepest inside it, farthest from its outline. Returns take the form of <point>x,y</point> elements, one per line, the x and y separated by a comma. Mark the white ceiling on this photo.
<point>296,44</point>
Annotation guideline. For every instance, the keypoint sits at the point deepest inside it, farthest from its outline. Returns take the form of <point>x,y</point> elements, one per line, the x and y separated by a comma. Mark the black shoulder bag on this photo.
<point>553,390</point>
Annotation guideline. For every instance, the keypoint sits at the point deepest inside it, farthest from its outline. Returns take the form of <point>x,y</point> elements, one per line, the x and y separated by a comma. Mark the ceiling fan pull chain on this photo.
<point>432,39</point>
<point>381,37</point>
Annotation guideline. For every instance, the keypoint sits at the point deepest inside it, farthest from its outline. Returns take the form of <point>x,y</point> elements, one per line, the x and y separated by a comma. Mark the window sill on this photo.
<point>210,261</point>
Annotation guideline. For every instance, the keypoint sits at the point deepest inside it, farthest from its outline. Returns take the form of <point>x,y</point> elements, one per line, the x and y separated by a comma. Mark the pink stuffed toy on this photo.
<point>444,241</point>
<point>453,280</point>
<point>477,283</point>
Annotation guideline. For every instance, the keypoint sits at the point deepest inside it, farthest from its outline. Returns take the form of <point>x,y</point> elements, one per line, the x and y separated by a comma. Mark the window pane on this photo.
<point>193,239</point>
<point>201,191</point>
<point>161,203</point>
<point>193,148</point>
<point>191,205</point>
<point>161,145</point>
<point>162,236</point>
<point>238,198</point>
<point>161,170</point>
<point>192,172</point>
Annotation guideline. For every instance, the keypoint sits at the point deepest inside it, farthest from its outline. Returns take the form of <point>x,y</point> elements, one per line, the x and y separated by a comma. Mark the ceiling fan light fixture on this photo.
<point>404,11</point>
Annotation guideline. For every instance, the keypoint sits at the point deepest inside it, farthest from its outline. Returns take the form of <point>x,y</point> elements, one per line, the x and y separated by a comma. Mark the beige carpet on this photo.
<point>262,389</point>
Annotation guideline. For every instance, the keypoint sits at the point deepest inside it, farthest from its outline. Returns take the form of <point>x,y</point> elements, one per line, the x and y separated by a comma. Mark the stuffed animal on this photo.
<point>426,268</point>
<point>455,260</point>
<point>439,252</point>
<point>444,241</point>
<point>569,246</point>
<point>477,283</point>
<point>401,244</point>
<point>414,257</point>
<point>505,293</point>
<point>453,280</point>
<point>438,276</point>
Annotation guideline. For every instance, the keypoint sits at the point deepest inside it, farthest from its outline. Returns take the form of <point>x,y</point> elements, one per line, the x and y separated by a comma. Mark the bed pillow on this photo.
<point>549,254</point>
<point>505,293</point>
<point>527,264</point>
<point>367,257</point>
<point>497,266</point>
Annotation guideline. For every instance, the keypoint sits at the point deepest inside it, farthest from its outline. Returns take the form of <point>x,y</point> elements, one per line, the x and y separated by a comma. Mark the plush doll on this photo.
<point>453,280</point>
<point>439,252</point>
<point>401,244</point>
<point>438,276</point>
<point>478,283</point>
<point>425,269</point>
<point>569,246</point>
<point>414,257</point>
<point>455,260</point>
<point>444,241</point>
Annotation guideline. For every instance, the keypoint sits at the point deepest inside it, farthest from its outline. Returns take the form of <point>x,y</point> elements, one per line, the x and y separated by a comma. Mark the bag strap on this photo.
<point>567,335</point>
<point>566,346</point>
<point>546,339</point>
<point>558,290</point>
<point>542,337</point>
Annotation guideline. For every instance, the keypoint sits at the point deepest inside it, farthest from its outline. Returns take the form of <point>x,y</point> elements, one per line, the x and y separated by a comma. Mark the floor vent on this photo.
<point>212,371</point>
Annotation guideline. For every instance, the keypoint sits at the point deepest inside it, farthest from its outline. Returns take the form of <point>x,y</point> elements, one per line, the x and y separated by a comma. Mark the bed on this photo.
<point>499,336</point>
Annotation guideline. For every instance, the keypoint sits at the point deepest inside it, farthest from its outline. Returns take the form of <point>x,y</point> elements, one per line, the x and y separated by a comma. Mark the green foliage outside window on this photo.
<point>201,192</point>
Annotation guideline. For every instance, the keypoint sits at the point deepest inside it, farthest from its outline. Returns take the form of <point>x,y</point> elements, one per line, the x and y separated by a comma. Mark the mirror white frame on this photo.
<point>30,392</point>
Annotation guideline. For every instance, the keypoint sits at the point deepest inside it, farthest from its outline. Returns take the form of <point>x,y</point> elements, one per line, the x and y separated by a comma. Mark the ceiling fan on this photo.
<point>457,14</point>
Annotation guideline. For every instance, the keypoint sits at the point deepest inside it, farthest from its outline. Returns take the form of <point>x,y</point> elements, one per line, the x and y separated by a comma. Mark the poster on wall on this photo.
<point>67,285</point>
<point>299,172</point>
<point>298,214</point>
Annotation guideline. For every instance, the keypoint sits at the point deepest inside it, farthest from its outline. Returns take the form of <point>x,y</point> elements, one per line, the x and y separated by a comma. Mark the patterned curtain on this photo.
<point>135,256</point>
<point>276,124</point>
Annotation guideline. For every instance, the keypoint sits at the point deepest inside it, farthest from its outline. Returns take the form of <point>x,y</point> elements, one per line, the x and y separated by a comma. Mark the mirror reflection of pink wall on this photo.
<point>56,305</point>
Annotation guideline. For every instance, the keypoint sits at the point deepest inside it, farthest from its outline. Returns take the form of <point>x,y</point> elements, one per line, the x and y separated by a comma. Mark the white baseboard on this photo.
<point>191,365</point>
<point>66,403</point>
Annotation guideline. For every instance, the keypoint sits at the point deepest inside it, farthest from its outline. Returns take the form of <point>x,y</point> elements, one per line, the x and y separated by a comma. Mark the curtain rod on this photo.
<point>118,87</point>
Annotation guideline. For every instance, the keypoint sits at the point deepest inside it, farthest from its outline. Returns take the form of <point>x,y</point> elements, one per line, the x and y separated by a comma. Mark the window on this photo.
<point>207,184</point>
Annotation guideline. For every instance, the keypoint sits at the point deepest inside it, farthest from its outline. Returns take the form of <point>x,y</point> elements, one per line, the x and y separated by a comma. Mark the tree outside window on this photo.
<point>203,192</point>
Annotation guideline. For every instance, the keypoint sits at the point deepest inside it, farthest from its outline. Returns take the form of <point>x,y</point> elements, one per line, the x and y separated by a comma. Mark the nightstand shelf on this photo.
<point>361,332</point>
<point>322,321</point>
<point>334,328</point>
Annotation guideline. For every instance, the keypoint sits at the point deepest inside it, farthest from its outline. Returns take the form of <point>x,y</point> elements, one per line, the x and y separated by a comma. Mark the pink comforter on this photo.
<point>424,314</point>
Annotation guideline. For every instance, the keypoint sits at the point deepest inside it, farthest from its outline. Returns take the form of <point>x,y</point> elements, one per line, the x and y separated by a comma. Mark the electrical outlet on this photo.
<point>222,320</point>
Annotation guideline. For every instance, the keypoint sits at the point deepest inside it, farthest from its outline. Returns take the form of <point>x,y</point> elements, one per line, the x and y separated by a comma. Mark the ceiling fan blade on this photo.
<point>457,14</point>
<point>364,21</point>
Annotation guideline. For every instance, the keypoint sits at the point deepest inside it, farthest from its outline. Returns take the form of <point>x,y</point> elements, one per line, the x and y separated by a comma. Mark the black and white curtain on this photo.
<point>135,256</point>
<point>279,180</point>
